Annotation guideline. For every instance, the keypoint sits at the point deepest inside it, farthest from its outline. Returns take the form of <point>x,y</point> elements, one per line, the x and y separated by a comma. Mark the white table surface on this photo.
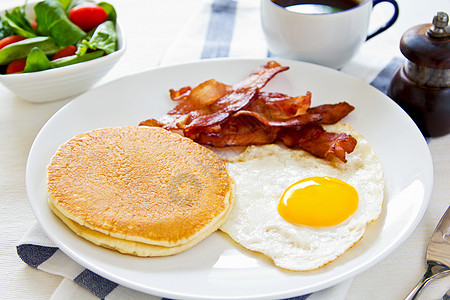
<point>150,27</point>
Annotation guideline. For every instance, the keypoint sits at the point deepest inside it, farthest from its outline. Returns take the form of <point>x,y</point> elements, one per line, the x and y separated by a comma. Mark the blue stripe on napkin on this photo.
<point>384,78</point>
<point>99,286</point>
<point>220,29</point>
<point>34,255</point>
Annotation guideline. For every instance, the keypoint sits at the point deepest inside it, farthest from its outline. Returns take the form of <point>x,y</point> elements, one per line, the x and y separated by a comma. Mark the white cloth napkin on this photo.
<point>221,28</point>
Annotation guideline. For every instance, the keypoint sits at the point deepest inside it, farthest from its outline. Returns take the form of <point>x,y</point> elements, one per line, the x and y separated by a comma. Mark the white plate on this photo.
<point>217,268</point>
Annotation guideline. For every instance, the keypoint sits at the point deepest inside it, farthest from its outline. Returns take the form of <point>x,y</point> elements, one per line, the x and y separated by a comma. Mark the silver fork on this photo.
<point>438,255</point>
<point>446,296</point>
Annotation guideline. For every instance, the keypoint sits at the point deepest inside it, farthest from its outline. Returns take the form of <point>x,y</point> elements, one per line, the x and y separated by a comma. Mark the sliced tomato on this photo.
<point>10,40</point>
<point>88,16</point>
<point>66,51</point>
<point>16,66</point>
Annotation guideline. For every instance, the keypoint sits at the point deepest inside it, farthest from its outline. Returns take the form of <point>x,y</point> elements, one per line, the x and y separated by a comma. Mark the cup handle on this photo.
<point>389,23</point>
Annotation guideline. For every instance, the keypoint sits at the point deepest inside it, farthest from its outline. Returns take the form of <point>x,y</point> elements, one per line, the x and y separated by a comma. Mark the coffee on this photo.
<point>317,6</point>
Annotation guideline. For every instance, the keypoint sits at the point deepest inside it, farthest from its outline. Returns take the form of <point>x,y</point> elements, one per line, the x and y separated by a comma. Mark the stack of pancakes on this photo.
<point>139,190</point>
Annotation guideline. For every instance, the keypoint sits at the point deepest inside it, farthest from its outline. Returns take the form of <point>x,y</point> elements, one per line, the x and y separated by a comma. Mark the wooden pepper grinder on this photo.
<point>422,86</point>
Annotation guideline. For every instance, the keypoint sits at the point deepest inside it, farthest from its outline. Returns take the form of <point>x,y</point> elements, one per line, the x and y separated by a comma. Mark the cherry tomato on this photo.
<point>88,16</point>
<point>66,51</point>
<point>11,39</point>
<point>34,24</point>
<point>16,66</point>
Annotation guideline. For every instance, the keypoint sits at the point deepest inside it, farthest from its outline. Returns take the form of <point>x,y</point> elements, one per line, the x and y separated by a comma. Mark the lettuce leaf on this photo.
<point>5,29</point>
<point>53,21</point>
<point>21,49</point>
<point>18,22</point>
<point>110,11</point>
<point>65,3</point>
<point>36,61</point>
<point>74,59</point>
<point>103,38</point>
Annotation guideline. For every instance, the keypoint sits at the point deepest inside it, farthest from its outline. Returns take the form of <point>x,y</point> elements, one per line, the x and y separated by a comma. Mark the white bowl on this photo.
<point>63,82</point>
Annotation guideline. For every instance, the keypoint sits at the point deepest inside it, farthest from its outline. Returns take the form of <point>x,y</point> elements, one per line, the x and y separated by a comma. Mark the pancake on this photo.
<point>130,247</point>
<point>139,190</point>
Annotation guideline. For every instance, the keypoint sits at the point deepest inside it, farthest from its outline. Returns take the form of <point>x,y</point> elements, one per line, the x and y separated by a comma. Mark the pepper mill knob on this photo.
<point>422,85</point>
<point>440,26</point>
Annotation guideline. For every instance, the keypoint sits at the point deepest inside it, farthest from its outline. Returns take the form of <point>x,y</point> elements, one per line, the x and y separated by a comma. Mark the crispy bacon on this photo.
<point>245,130</point>
<point>221,115</point>
<point>280,106</point>
<point>211,90</point>
<point>237,131</point>
<point>185,117</point>
<point>204,94</point>
<point>223,108</point>
<point>323,114</point>
<point>259,77</point>
<point>211,97</point>
<point>331,113</point>
<point>180,94</point>
<point>320,143</point>
<point>295,121</point>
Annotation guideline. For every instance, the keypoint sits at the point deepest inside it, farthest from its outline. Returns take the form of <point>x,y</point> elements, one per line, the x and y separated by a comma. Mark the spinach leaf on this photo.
<point>53,21</point>
<point>65,3</point>
<point>36,61</point>
<point>110,11</point>
<point>104,38</point>
<point>5,29</point>
<point>21,49</point>
<point>18,22</point>
<point>74,59</point>
<point>74,3</point>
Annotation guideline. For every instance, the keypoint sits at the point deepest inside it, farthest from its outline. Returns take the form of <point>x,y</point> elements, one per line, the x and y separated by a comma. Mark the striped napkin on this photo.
<point>221,28</point>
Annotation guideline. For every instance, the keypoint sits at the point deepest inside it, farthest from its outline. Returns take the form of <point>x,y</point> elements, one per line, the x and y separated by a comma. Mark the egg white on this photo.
<point>261,175</point>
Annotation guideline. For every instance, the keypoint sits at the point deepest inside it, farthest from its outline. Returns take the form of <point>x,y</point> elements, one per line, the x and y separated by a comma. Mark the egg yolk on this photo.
<point>318,201</point>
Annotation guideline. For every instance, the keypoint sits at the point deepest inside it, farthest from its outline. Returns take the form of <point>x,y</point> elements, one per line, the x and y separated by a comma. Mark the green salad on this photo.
<point>64,32</point>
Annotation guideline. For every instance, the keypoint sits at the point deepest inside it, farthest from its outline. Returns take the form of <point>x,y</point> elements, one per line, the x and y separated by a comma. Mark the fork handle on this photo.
<point>419,286</point>
<point>426,279</point>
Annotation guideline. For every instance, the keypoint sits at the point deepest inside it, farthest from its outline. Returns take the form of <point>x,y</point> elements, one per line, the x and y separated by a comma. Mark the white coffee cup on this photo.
<point>329,39</point>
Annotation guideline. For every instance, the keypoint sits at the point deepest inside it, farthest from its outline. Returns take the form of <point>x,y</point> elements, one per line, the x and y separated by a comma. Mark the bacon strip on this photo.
<point>203,94</point>
<point>259,77</point>
<point>213,97</point>
<point>237,131</point>
<point>332,113</point>
<point>296,121</point>
<point>245,130</point>
<point>180,94</point>
<point>324,114</point>
<point>280,106</point>
<point>220,115</point>
<point>205,115</point>
<point>320,143</point>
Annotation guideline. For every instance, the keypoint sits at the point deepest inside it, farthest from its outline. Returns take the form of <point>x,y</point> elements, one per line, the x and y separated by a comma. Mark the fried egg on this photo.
<point>301,211</point>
